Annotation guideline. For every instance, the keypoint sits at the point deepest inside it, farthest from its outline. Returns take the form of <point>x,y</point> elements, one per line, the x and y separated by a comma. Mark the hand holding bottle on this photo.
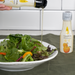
<point>20,3</point>
<point>4,7</point>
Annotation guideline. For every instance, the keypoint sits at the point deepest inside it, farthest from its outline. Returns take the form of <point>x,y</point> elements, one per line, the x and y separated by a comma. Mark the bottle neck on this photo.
<point>40,3</point>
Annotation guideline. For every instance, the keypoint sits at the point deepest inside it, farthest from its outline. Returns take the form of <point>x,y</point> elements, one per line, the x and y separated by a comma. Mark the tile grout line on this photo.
<point>44,9</point>
<point>61,4</point>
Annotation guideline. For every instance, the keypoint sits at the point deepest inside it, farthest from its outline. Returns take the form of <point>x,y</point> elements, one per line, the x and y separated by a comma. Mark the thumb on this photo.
<point>2,5</point>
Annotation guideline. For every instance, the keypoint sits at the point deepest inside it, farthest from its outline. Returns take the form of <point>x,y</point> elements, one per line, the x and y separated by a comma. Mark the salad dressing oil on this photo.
<point>42,25</point>
<point>66,36</point>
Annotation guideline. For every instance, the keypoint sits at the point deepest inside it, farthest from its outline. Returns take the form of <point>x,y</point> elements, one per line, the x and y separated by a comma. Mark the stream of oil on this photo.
<point>42,25</point>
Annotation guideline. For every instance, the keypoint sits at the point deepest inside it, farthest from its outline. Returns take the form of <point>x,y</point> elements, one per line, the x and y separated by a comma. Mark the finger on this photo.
<point>10,8</point>
<point>2,5</point>
<point>6,8</point>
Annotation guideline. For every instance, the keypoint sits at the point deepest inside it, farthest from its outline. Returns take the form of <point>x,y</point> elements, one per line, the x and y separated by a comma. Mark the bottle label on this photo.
<point>66,45</point>
<point>8,2</point>
<point>17,3</point>
<point>23,1</point>
<point>67,30</point>
<point>26,2</point>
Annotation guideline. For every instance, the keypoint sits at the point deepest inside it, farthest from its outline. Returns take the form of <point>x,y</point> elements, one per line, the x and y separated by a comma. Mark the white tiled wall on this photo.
<point>54,4</point>
<point>52,20</point>
<point>68,4</point>
<point>24,19</point>
<point>29,18</point>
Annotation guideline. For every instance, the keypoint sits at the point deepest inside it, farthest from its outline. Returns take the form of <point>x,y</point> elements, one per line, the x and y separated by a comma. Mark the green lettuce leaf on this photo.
<point>12,55</point>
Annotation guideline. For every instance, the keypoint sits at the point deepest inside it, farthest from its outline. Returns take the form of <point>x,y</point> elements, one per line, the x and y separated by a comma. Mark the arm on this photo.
<point>4,7</point>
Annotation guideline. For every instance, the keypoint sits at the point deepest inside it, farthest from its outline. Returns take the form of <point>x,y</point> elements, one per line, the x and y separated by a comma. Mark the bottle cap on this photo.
<point>40,3</point>
<point>67,16</point>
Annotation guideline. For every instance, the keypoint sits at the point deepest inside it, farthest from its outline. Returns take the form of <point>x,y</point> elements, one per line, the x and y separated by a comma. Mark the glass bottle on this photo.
<point>28,3</point>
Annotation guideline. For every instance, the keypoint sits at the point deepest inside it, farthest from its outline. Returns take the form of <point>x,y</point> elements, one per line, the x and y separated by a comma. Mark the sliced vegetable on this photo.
<point>19,58</point>
<point>2,53</point>
<point>27,54</point>
<point>33,48</point>
<point>27,58</point>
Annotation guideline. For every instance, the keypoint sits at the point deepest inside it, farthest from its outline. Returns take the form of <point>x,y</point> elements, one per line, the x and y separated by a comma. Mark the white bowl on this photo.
<point>23,66</point>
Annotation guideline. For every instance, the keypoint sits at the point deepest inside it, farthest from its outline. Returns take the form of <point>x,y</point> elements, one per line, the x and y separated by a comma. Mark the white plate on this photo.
<point>23,66</point>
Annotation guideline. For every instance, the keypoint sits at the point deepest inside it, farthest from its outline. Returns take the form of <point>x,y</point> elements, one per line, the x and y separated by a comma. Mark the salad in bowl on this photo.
<point>23,50</point>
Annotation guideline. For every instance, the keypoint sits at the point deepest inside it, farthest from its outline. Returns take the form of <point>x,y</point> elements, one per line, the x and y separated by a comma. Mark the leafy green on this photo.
<point>13,40</point>
<point>2,59</point>
<point>17,44</point>
<point>26,43</point>
<point>12,54</point>
<point>3,46</point>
